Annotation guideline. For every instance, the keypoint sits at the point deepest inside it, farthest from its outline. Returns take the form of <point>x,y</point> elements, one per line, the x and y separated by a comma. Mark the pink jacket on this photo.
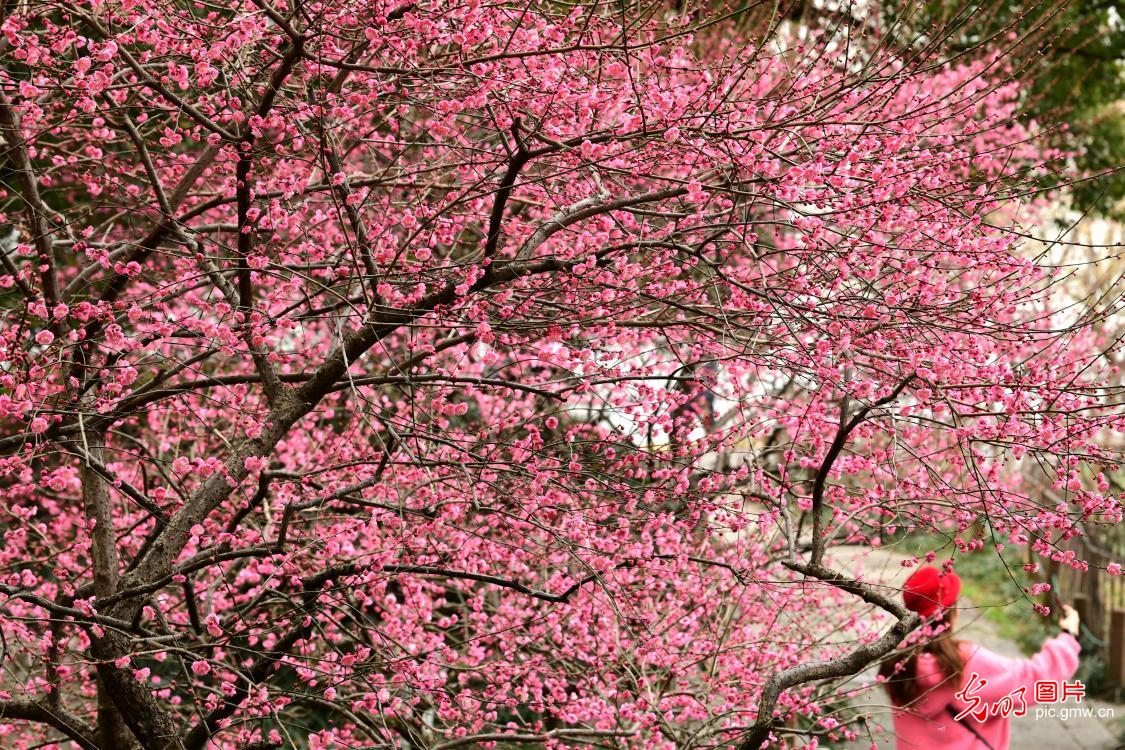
<point>927,725</point>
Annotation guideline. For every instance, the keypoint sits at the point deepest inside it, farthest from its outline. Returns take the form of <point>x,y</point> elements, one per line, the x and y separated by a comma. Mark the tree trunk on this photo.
<point>112,732</point>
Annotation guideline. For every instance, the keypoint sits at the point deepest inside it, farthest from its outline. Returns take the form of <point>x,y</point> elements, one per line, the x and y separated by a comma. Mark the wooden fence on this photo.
<point>1098,597</point>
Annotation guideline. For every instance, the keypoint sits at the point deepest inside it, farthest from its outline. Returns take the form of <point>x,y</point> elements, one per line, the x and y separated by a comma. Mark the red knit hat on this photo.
<point>928,590</point>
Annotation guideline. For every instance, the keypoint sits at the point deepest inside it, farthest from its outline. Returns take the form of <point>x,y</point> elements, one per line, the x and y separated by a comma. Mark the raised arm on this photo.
<point>1056,660</point>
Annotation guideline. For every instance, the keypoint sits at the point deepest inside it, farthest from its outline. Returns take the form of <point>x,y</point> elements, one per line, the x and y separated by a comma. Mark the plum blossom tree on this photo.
<point>442,374</point>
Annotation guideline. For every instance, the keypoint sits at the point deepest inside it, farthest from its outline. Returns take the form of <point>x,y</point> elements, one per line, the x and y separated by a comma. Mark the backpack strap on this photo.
<point>968,725</point>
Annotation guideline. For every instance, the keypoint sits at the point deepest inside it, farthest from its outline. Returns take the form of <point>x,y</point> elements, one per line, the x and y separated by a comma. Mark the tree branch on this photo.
<point>846,428</point>
<point>37,211</point>
<point>64,721</point>
<point>849,664</point>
